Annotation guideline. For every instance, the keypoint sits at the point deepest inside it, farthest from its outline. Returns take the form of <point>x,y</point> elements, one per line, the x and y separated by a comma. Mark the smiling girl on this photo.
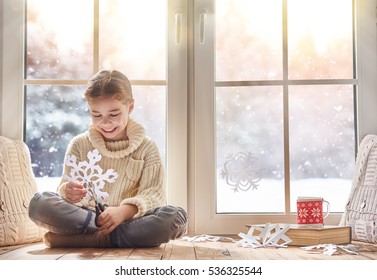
<point>136,215</point>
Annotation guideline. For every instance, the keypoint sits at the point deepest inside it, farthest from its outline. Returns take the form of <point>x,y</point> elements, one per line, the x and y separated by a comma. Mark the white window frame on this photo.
<point>184,165</point>
<point>202,166</point>
<point>12,97</point>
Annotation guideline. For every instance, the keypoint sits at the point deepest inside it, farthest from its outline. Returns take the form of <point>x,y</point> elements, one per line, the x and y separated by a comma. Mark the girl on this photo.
<point>136,215</point>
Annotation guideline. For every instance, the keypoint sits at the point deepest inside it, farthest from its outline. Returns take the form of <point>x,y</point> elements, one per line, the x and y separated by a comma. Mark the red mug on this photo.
<point>310,210</point>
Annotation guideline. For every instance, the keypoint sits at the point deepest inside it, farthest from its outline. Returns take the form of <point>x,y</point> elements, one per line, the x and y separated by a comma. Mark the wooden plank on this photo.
<point>367,250</point>
<point>241,253</point>
<point>34,251</point>
<point>230,250</point>
<point>6,249</point>
<point>179,250</point>
<point>82,254</point>
<point>167,251</point>
<point>182,250</point>
<point>154,253</point>
<point>268,253</point>
<point>318,254</point>
<point>291,253</point>
<point>115,254</point>
<point>51,253</point>
<point>211,251</point>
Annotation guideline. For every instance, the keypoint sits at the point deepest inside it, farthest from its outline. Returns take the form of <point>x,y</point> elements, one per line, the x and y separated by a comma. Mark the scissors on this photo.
<point>99,206</point>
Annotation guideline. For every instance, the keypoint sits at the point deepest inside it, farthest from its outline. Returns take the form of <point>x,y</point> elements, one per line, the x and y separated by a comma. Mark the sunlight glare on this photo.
<point>321,20</point>
<point>133,34</point>
<point>69,22</point>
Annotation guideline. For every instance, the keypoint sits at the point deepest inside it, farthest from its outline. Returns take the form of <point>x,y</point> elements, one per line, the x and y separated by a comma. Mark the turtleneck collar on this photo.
<point>121,148</point>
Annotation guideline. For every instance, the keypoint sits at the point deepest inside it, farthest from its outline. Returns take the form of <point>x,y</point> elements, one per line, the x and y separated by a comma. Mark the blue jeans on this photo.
<point>52,212</point>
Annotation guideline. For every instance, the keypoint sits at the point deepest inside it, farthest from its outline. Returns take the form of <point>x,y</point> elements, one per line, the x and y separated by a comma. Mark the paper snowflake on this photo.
<point>332,249</point>
<point>89,171</point>
<point>241,171</point>
<point>268,235</point>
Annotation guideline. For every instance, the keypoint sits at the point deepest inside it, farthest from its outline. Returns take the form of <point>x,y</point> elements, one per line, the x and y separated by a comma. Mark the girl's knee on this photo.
<point>40,203</point>
<point>177,214</point>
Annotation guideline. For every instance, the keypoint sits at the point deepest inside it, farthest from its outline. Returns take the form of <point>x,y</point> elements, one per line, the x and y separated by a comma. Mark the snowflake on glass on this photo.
<point>241,171</point>
<point>89,171</point>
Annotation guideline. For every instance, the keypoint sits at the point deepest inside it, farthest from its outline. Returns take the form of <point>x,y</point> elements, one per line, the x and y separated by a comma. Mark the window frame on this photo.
<point>202,133</point>
<point>176,84</point>
<point>186,172</point>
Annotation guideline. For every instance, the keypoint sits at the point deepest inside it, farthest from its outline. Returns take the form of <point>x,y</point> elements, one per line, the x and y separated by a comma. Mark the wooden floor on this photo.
<point>181,250</point>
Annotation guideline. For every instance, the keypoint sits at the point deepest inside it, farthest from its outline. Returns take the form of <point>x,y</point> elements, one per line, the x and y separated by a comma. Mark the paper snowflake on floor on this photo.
<point>332,249</point>
<point>241,171</point>
<point>268,235</point>
<point>89,171</point>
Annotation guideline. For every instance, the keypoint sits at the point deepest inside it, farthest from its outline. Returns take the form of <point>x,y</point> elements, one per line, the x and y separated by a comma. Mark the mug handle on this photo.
<point>328,208</point>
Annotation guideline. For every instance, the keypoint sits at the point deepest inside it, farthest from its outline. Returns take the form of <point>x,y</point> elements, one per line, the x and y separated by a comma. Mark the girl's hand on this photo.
<point>74,192</point>
<point>114,216</point>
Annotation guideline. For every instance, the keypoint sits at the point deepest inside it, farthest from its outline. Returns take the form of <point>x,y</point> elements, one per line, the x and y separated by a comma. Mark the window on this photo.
<point>61,55</point>
<point>194,82</point>
<point>280,95</point>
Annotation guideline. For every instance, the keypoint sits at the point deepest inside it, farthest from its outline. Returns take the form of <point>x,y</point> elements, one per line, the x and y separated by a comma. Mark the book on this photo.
<point>314,235</point>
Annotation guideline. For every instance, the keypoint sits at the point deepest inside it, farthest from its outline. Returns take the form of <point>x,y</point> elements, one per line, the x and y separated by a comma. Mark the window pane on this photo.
<point>59,39</point>
<point>150,111</point>
<point>54,115</point>
<point>320,39</point>
<point>322,143</point>
<point>248,40</point>
<point>249,123</point>
<point>133,38</point>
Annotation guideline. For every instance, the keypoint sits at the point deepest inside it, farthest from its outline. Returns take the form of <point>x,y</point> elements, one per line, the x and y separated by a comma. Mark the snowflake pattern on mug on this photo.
<point>303,213</point>
<point>241,171</point>
<point>89,171</point>
<point>316,212</point>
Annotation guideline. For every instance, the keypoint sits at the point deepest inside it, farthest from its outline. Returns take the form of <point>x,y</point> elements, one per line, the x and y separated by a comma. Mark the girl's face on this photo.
<point>110,117</point>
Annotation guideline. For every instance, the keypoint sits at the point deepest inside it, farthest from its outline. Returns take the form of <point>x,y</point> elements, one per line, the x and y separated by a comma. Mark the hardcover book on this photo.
<point>314,235</point>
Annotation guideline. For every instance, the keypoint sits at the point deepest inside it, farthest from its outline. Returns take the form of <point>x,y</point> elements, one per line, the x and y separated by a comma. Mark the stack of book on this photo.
<point>314,235</point>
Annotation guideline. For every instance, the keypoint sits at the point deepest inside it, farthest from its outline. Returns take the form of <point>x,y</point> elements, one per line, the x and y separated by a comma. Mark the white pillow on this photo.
<point>361,208</point>
<point>17,186</point>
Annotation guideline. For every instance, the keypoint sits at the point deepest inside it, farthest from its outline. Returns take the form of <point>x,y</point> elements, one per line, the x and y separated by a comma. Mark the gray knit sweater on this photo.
<point>137,162</point>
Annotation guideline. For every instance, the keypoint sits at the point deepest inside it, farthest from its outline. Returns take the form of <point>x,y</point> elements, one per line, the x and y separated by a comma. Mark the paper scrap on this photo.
<point>268,235</point>
<point>206,237</point>
<point>331,249</point>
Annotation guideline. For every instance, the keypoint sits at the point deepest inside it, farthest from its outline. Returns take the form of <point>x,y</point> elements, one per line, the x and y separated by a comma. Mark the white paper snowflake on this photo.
<point>89,171</point>
<point>241,171</point>
<point>268,235</point>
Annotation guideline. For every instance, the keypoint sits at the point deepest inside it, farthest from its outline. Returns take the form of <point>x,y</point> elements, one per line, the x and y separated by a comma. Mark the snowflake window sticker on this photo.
<point>88,171</point>
<point>241,171</point>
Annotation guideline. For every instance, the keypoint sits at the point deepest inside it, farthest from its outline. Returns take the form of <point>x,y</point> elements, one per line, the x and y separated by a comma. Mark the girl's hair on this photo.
<point>108,83</point>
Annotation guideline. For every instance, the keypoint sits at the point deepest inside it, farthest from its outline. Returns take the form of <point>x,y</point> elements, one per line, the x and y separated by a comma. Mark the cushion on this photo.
<point>17,186</point>
<point>361,209</point>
